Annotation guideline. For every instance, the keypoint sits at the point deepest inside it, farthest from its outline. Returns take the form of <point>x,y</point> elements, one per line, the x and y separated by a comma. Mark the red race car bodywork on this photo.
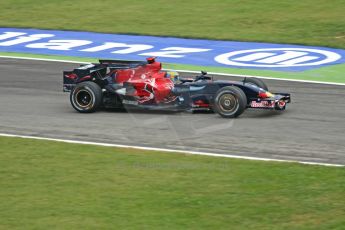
<point>149,82</point>
<point>150,70</point>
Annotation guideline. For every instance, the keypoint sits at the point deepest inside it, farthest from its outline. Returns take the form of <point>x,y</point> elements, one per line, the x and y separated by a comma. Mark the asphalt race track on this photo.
<point>311,129</point>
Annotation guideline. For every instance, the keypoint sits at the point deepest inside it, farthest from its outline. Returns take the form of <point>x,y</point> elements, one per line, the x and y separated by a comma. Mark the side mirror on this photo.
<point>203,73</point>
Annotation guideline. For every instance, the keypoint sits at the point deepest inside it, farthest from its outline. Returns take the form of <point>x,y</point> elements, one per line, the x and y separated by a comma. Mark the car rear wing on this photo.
<point>121,62</point>
<point>83,73</point>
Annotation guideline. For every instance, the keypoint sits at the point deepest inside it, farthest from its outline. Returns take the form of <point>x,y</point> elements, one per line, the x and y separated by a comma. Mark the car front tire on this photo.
<point>230,102</point>
<point>256,81</point>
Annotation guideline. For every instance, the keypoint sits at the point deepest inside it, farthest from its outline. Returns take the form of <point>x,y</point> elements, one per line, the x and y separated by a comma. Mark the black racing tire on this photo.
<point>230,102</point>
<point>86,97</point>
<point>256,81</point>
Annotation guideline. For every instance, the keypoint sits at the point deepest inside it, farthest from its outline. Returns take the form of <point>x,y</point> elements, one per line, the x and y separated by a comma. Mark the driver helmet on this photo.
<point>173,76</point>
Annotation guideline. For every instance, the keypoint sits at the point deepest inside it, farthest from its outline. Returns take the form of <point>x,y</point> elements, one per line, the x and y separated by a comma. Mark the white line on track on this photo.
<point>43,59</point>
<point>185,71</point>
<point>168,150</point>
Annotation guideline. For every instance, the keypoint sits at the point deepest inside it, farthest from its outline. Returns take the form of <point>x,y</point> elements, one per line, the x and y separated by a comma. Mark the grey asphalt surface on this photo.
<point>311,129</point>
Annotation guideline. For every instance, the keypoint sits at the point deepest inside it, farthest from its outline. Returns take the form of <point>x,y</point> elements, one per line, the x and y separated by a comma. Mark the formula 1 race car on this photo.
<point>144,85</point>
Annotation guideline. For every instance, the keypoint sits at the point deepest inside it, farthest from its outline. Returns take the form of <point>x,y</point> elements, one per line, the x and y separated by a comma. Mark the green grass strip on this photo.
<point>52,185</point>
<point>310,22</point>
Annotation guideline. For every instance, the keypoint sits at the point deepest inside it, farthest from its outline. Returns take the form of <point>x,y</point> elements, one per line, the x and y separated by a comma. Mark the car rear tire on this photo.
<point>86,97</point>
<point>256,81</point>
<point>230,102</point>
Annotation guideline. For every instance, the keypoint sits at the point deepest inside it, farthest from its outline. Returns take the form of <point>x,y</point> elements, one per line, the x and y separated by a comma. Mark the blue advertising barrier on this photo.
<point>248,55</point>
